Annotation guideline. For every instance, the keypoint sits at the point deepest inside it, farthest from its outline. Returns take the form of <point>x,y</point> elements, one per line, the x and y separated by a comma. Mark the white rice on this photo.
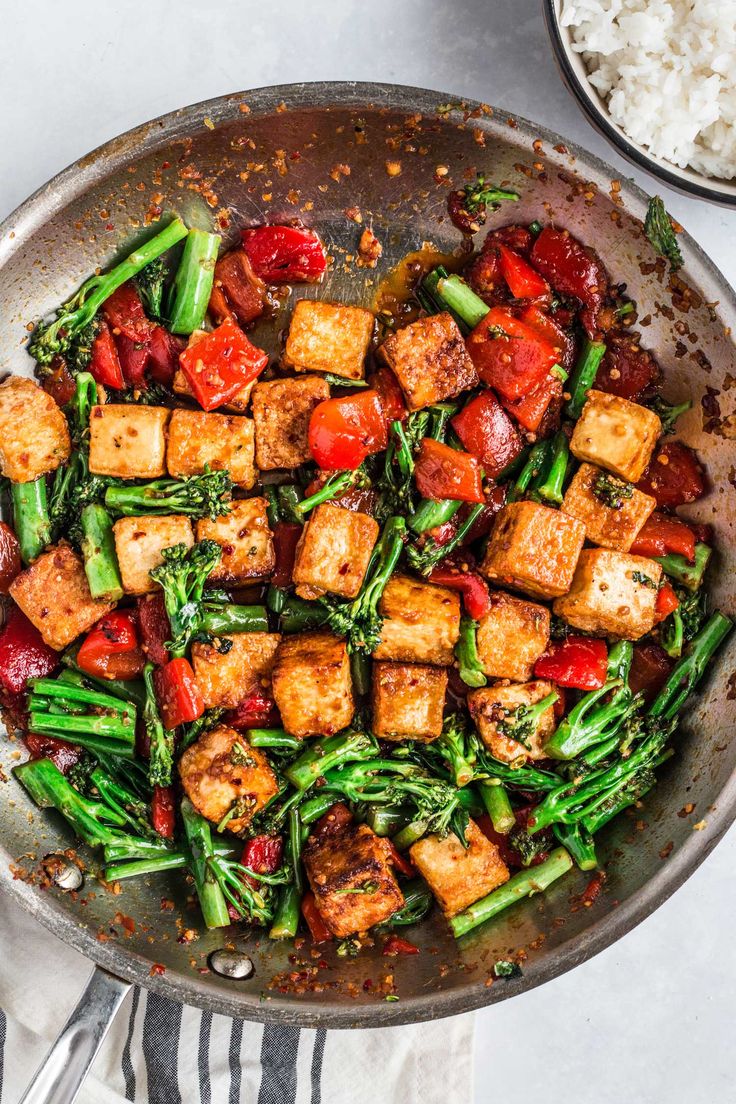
<point>667,69</point>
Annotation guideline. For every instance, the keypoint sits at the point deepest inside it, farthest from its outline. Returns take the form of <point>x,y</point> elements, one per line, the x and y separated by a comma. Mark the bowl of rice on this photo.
<point>658,79</point>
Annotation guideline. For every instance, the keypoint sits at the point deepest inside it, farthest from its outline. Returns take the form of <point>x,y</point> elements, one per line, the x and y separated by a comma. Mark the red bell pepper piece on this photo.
<point>403,863</point>
<point>579,663</point>
<point>484,274</point>
<point>650,668</point>
<point>23,653</point>
<point>10,563</point>
<point>508,354</point>
<point>163,815</point>
<point>667,602</point>
<point>443,472</point>
<point>488,433</point>
<point>104,364</point>
<point>134,357</point>
<point>395,945</point>
<point>524,282</point>
<point>164,349</point>
<point>530,409</point>
<point>572,269</point>
<point>220,364</point>
<point>627,370</point>
<point>262,854</point>
<point>125,314</point>
<point>342,432</point>
<point>59,382</point>
<point>285,254</point>
<point>389,391</point>
<point>256,710</point>
<point>111,650</point>
<point>237,290</point>
<point>63,755</point>
<point>674,476</point>
<point>661,534</point>
<point>552,331</point>
<point>317,927</point>
<point>472,586</point>
<point>286,536</point>
<point>337,817</point>
<point>154,628</point>
<point>179,697</point>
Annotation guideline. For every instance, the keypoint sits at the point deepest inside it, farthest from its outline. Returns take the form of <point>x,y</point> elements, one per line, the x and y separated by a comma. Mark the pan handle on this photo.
<point>59,1077</point>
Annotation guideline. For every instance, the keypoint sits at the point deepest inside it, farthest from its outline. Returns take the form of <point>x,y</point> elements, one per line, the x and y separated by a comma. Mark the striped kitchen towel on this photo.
<point>158,1052</point>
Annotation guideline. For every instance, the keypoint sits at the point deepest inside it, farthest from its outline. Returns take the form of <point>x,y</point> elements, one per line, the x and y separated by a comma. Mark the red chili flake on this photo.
<point>156,970</point>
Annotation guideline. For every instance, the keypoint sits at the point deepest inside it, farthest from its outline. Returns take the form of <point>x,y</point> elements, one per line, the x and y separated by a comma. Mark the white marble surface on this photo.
<point>651,1019</point>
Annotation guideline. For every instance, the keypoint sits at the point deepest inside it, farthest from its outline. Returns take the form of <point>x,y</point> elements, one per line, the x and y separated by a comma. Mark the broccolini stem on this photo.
<point>386,820</point>
<point>193,282</point>
<point>583,376</point>
<point>31,517</point>
<point>688,671</point>
<point>298,615</point>
<point>433,512</point>
<point>550,486</point>
<point>589,722</point>
<point>327,754</point>
<point>161,739</point>
<point>578,841</point>
<point>50,789</point>
<point>498,807</point>
<point>440,291</point>
<point>273,738</point>
<point>533,465</point>
<point>200,852</point>
<point>466,653</point>
<point>426,558</point>
<point>98,550</point>
<point>128,690</point>
<point>524,884</point>
<point>316,807</point>
<point>688,574</point>
<point>205,495</point>
<point>333,488</point>
<point>221,618</point>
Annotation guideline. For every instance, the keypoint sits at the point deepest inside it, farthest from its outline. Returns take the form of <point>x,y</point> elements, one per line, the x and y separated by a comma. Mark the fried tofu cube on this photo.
<point>222,442</point>
<point>498,710</point>
<point>246,541</point>
<point>533,549</point>
<point>34,436</point>
<point>612,594</point>
<point>226,679</point>
<point>616,434</point>
<point>329,337</point>
<point>128,441</point>
<point>421,622</point>
<point>238,404</point>
<point>352,878</point>
<point>282,409</point>
<point>54,594</point>
<point>334,550</point>
<point>222,774</point>
<point>511,637</point>
<point>139,543</point>
<point>458,876</point>
<point>613,527</point>
<point>408,700</point>
<point>312,684</point>
<point>430,361</point>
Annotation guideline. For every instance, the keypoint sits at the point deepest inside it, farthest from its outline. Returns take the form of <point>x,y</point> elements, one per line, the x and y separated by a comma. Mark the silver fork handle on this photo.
<point>59,1077</point>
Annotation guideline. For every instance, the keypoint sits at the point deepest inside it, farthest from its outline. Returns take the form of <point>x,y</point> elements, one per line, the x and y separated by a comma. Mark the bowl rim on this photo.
<point>592,107</point>
<point>191,989</point>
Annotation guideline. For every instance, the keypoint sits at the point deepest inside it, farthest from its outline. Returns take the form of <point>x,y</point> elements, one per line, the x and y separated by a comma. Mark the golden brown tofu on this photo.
<point>458,876</point>
<point>421,622</point>
<point>329,337</point>
<point>34,436</point>
<point>616,434</point>
<point>223,776</point>
<point>128,441</point>
<point>498,710</point>
<point>219,441</point>
<point>246,541</point>
<point>139,542</point>
<point>312,684</point>
<point>334,550</point>
<point>511,637</point>
<point>238,404</point>
<point>224,680</point>
<point>430,360</point>
<point>352,878</point>
<point>533,549</point>
<point>53,593</point>
<point>281,412</point>
<point>612,594</point>
<point>408,700</point>
<point>611,526</point>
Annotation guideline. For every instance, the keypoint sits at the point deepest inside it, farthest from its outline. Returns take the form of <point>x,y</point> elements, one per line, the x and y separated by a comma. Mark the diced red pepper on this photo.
<point>524,281</point>
<point>553,332</point>
<point>10,562</point>
<point>154,628</point>
<point>402,862</point>
<point>134,357</point>
<point>395,945</point>
<point>572,269</point>
<point>124,313</point>
<point>59,382</point>
<point>661,534</point>
<point>111,649</point>
<point>286,536</point>
<point>256,710</point>
<point>472,586</point>
<point>164,349</point>
<point>318,929</point>
<point>627,370</point>
<point>667,602</point>
<point>484,274</point>
<point>104,364</point>
<point>23,653</point>
<point>650,668</point>
<point>389,391</point>
<point>163,815</point>
<point>530,409</point>
<point>508,354</point>
<point>674,476</point>
<point>443,472</point>
<point>488,433</point>
<point>63,755</point>
<point>237,290</point>
<point>179,698</point>
<point>342,432</point>
<point>285,254</point>
<point>262,854</point>
<point>337,817</point>
<point>220,364</point>
<point>579,663</point>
